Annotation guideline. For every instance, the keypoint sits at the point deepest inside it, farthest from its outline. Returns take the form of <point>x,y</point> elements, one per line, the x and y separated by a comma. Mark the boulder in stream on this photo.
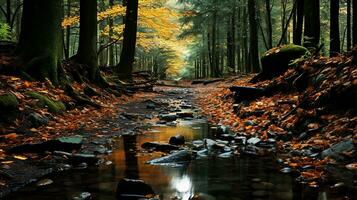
<point>177,140</point>
<point>176,158</point>
<point>155,146</point>
<point>336,151</point>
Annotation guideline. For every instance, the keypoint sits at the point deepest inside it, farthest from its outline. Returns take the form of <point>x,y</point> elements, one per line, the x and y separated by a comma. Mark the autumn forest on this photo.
<point>178,99</point>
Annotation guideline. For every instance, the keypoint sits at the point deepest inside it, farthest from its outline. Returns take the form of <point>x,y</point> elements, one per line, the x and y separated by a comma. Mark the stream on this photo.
<point>243,177</point>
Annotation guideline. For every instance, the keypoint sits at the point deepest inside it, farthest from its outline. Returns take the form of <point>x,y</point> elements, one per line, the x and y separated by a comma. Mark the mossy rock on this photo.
<point>9,108</point>
<point>46,102</point>
<point>8,102</point>
<point>276,61</point>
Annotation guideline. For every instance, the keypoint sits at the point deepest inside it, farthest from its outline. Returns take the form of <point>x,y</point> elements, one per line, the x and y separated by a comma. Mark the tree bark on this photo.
<point>349,33</point>
<point>40,42</point>
<point>269,24</point>
<point>125,66</point>
<point>253,43</point>
<point>354,23</point>
<point>334,27</point>
<point>87,49</point>
<point>111,48</point>
<point>297,36</point>
<point>312,23</point>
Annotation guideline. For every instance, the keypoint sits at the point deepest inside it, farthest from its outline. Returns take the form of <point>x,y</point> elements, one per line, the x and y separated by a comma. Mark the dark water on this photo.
<point>232,178</point>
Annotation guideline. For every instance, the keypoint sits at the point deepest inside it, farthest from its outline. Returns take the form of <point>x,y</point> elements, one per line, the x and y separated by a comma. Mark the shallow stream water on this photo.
<point>214,178</point>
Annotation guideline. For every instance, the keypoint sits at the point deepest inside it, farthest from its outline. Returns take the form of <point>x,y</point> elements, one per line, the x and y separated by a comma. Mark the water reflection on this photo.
<point>183,186</point>
<point>131,161</point>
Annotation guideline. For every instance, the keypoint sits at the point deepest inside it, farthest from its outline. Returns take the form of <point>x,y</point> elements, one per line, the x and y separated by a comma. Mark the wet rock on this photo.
<point>185,114</point>
<point>177,140</point>
<point>253,141</point>
<point>82,196</point>
<point>175,158</point>
<point>44,182</point>
<point>338,149</point>
<point>133,189</point>
<point>35,120</point>
<point>185,106</point>
<point>198,143</point>
<point>155,146</point>
<point>209,143</point>
<point>76,159</point>
<point>221,130</point>
<point>286,170</point>
<point>225,155</point>
<point>151,106</point>
<point>82,166</point>
<point>168,117</point>
<point>227,137</point>
<point>254,151</point>
<point>203,153</point>
<point>60,144</point>
<point>202,196</point>
<point>241,140</point>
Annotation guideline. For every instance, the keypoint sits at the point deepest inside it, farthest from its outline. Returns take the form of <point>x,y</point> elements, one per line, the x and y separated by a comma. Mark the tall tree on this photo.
<point>354,23</point>
<point>269,24</point>
<point>125,66</point>
<point>349,33</point>
<point>40,45</point>
<point>334,27</point>
<point>297,35</point>
<point>87,48</point>
<point>312,23</point>
<point>253,36</point>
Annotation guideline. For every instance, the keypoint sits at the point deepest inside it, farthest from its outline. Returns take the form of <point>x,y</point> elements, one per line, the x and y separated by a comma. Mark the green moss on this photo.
<point>8,101</point>
<point>46,102</point>
<point>278,60</point>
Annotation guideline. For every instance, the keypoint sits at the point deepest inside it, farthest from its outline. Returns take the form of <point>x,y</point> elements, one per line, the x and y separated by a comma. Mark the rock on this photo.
<point>336,150</point>
<point>9,108</point>
<point>202,196</point>
<point>133,189</point>
<point>203,153</point>
<point>8,102</point>
<point>184,114</point>
<point>286,170</point>
<point>67,144</point>
<point>35,120</point>
<point>151,106</point>
<point>253,141</point>
<point>198,143</point>
<point>53,106</point>
<point>222,130</point>
<point>209,143</point>
<point>352,166</point>
<point>177,140</point>
<point>175,158</point>
<point>82,196</point>
<point>185,106</point>
<point>168,117</point>
<point>276,61</point>
<point>82,166</point>
<point>225,155</point>
<point>44,182</point>
<point>155,146</point>
<point>76,159</point>
<point>242,140</point>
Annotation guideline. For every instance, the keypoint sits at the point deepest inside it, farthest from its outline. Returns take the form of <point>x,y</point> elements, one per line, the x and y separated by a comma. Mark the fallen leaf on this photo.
<point>20,157</point>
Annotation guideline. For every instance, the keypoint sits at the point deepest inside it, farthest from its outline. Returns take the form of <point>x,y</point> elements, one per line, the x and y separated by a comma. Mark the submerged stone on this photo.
<point>133,189</point>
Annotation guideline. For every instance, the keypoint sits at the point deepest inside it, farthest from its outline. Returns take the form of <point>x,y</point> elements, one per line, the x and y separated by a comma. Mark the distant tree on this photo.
<point>297,35</point>
<point>254,62</point>
<point>125,66</point>
<point>334,27</point>
<point>354,23</point>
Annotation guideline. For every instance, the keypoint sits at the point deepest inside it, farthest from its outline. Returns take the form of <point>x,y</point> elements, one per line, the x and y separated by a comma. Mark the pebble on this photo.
<point>286,170</point>
<point>82,196</point>
<point>44,182</point>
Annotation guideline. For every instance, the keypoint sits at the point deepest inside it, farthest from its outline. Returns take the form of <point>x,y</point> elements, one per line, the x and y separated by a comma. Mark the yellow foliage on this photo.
<point>160,25</point>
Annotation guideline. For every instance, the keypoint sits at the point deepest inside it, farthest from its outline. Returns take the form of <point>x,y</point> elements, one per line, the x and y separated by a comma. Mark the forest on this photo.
<point>178,99</point>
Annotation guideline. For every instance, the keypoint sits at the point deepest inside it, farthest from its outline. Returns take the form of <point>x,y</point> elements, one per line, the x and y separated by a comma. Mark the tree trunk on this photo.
<point>253,36</point>
<point>297,36</point>
<point>269,24</point>
<point>349,34</point>
<point>231,47</point>
<point>68,33</point>
<point>87,49</point>
<point>111,48</point>
<point>40,42</point>
<point>354,23</point>
<point>334,27</point>
<point>312,23</point>
<point>127,56</point>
